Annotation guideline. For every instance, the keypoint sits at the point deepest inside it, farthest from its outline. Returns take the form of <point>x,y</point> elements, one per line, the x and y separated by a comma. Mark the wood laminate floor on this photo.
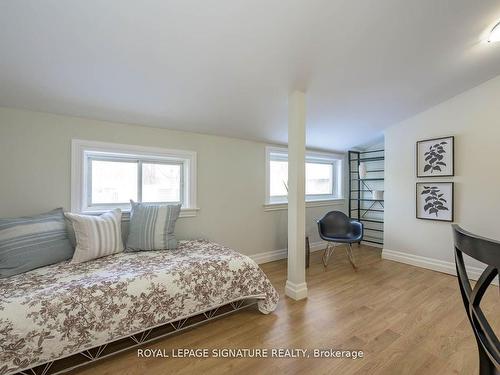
<point>405,319</point>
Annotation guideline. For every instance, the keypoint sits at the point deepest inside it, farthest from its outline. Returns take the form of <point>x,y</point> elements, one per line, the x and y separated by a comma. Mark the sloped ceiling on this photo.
<point>225,67</point>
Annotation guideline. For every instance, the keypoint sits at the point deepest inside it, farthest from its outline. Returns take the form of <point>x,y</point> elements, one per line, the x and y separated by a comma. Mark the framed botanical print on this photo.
<point>434,201</point>
<point>435,157</point>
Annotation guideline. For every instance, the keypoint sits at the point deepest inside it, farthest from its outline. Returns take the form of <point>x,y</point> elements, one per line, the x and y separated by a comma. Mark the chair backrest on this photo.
<point>335,224</point>
<point>488,252</point>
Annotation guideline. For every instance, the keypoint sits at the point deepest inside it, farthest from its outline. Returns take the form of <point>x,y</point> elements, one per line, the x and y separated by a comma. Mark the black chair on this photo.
<point>488,252</point>
<point>336,227</point>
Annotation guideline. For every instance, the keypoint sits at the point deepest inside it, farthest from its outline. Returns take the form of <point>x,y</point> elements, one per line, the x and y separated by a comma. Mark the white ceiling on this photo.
<point>225,66</point>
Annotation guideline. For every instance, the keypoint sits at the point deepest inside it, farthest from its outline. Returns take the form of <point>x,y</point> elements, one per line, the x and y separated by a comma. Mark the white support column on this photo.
<point>296,286</point>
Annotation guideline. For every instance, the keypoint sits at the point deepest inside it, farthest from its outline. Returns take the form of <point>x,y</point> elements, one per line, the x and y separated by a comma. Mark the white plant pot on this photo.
<point>378,195</point>
<point>362,170</point>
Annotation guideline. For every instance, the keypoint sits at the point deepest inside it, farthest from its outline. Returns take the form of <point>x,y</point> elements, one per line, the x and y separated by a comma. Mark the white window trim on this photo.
<point>311,201</point>
<point>78,169</point>
<point>309,204</point>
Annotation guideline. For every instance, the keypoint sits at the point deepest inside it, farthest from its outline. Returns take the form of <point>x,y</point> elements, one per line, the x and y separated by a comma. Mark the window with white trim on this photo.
<point>323,176</point>
<point>106,176</point>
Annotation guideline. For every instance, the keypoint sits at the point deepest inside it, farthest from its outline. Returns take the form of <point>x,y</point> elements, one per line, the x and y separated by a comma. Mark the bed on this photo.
<point>64,310</point>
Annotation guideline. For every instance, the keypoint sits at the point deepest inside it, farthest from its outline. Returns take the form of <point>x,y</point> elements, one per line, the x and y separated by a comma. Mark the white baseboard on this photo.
<point>296,291</point>
<point>317,246</point>
<point>431,264</point>
<point>271,256</point>
<point>372,244</point>
<point>397,256</point>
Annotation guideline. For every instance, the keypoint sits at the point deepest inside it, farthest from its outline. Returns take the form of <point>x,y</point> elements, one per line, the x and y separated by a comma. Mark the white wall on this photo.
<point>474,119</point>
<point>35,176</point>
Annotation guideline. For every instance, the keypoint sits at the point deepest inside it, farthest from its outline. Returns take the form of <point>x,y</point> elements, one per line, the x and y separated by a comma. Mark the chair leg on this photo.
<point>350,256</point>
<point>327,254</point>
<point>486,366</point>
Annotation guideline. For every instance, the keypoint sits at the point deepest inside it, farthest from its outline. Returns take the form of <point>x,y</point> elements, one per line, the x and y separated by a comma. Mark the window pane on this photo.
<point>319,178</point>
<point>278,172</point>
<point>113,182</point>
<point>161,182</point>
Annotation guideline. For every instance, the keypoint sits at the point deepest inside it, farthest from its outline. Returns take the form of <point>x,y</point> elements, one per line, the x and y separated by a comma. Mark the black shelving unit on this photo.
<point>362,206</point>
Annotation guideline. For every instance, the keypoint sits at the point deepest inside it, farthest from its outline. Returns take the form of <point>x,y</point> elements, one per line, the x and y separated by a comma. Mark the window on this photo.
<point>319,178</point>
<point>111,182</point>
<point>106,176</point>
<point>323,176</point>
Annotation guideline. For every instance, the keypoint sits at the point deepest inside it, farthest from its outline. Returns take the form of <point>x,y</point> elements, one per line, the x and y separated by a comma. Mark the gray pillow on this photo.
<point>152,226</point>
<point>27,243</point>
<point>97,236</point>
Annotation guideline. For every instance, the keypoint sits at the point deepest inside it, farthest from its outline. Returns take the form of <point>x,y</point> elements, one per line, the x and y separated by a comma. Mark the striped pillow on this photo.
<point>152,226</point>
<point>96,236</point>
<point>27,243</point>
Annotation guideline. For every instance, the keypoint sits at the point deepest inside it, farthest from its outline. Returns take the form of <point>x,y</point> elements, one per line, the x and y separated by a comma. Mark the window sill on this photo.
<point>309,204</point>
<point>185,212</point>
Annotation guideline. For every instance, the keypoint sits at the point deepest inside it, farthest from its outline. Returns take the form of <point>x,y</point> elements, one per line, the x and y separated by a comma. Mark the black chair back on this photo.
<point>335,224</point>
<point>486,251</point>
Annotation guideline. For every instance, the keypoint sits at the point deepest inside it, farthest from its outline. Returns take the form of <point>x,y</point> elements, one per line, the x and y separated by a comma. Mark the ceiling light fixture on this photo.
<point>494,34</point>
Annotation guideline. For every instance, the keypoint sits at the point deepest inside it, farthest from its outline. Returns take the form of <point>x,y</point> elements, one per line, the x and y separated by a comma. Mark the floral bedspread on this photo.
<point>59,310</point>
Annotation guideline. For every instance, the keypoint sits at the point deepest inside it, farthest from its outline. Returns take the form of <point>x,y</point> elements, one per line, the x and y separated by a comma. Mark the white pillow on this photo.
<point>96,236</point>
